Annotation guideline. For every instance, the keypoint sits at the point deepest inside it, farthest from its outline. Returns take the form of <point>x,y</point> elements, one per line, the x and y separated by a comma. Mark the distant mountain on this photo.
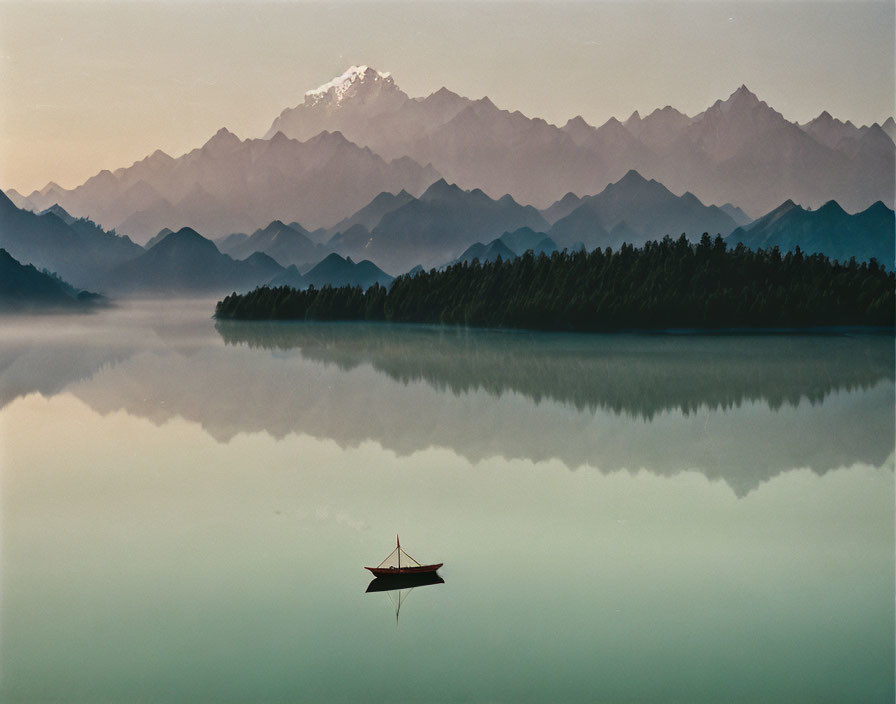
<point>476,144</point>
<point>229,185</point>
<point>845,136</point>
<point>335,271</point>
<point>486,252</point>
<point>60,213</point>
<point>229,242</point>
<point>889,127</point>
<point>635,210</point>
<point>18,199</point>
<point>561,208</point>
<point>80,252</point>
<point>436,227</point>
<point>735,213</point>
<point>739,150</point>
<point>162,234</point>
<point>829,230</point>
<point>187,262</point>
<point>24,288</point>
<point>369,216</point>
<point>285,244</point>
<point>525,238</point>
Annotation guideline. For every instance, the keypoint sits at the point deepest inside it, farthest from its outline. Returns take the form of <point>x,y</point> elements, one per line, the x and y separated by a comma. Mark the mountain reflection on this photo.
<point>741,409</point>
<point>638,375</point>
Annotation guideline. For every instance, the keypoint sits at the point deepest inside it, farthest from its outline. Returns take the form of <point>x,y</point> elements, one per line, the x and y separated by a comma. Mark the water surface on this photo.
<point>187,508</point>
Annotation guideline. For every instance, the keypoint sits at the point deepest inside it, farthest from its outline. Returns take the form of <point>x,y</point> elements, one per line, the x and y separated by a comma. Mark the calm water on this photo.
<point>186,510</point>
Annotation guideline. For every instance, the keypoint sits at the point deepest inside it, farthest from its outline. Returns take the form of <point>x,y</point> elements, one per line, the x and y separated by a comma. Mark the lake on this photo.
<point>187,508</point>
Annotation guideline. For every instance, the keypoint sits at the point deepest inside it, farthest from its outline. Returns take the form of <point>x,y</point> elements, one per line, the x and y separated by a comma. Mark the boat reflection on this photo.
<point>404,581</point>
<point>399,587</point>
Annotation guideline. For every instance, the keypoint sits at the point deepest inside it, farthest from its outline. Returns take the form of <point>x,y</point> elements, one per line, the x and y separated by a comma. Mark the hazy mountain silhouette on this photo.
<point>285,244</point>
<point>635,210</point>
<point>889,127</point>
<point>525,238</point>
<point>477,144</point>
<point>369,216</point>
<point>25,289</point>
<point>60,213</point>
<point>436,227</point>
<point>334,270</point>
<point>80,252</point>
<point>829,231</point>
<point>561,208</point>
<point>187,262</point>
<point>739,150</point>
<point>486,252</point>
<point>155,239</point>
<point>229,185</point>
<point>735,213</point>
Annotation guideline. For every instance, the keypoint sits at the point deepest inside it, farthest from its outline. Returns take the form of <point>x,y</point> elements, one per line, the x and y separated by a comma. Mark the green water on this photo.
<point>187,509</point>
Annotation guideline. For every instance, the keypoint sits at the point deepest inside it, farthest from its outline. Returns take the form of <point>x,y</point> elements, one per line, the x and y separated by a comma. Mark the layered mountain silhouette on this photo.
<point>490,252</point>
<point>186,262</point>
<point>634,210</point>
<point>230,185</point>
<point>354,160</point>
<point>285,244</point>
<point>334,270</point>
<point>525,238</point>
<point>25,289</point>
<point>78,250</point>
<point>435,228</point>
<point>739,150</point>
<point>509,246</point>
<point>829,230</point>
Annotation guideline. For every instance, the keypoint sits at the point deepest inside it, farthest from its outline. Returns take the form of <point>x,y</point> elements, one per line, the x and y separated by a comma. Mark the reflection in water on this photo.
<point>185,513</point>
<point>739,408</point>
<point>402,586</point>
<point>640,375</point>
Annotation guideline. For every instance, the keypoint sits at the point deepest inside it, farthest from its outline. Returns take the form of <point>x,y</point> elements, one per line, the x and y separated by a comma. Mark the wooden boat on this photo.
<point>400,564</point>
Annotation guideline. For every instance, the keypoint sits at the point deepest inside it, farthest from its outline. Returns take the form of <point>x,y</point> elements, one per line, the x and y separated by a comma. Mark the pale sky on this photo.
<point>99,85</point>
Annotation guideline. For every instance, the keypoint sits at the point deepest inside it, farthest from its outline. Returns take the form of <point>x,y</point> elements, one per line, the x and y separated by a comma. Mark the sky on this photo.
<point>86,86</point>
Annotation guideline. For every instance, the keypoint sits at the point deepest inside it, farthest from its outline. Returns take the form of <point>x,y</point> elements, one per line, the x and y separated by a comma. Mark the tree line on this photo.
<point>666,284</point>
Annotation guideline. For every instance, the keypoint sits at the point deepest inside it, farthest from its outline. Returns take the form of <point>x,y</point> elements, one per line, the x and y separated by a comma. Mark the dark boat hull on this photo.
<point>403,571</point>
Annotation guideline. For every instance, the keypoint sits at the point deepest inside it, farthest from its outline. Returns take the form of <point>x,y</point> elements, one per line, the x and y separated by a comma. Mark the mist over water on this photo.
<point>187,507</point>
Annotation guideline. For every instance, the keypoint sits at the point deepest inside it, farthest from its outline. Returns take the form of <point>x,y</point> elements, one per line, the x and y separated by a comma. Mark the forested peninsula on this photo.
<point>666,284</point>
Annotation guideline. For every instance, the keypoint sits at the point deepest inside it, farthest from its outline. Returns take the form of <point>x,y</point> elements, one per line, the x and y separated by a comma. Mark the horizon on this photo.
<point>57,125</point>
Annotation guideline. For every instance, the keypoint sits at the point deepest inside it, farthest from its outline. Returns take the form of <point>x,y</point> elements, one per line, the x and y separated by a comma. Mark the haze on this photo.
<point>100,85</point>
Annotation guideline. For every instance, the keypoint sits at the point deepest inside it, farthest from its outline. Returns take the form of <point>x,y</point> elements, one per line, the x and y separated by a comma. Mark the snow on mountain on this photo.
<point>337,88</point>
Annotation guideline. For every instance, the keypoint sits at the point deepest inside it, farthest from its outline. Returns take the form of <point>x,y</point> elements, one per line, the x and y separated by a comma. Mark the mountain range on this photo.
<point>738,150</point>
<point>440,225</point>
<point>829,230</point>
<point>335,271</point>
<point>76,249</point>
<point>435,227</point>
<point>186,262</point>
<point>25,289</point>
<point>285,244</point>
<point>230,185</point>
<point>360,135</point>
<point>635,210</point>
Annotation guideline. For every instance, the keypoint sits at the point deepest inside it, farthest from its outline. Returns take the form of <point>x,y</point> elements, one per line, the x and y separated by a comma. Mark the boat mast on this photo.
<point>398,545</point>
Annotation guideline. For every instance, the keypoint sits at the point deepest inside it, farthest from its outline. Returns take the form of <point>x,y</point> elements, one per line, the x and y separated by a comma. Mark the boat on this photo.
<point>400,564</point>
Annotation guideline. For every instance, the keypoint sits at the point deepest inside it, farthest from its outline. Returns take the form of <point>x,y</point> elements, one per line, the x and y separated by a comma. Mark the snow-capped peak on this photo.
<point>340,85</point>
